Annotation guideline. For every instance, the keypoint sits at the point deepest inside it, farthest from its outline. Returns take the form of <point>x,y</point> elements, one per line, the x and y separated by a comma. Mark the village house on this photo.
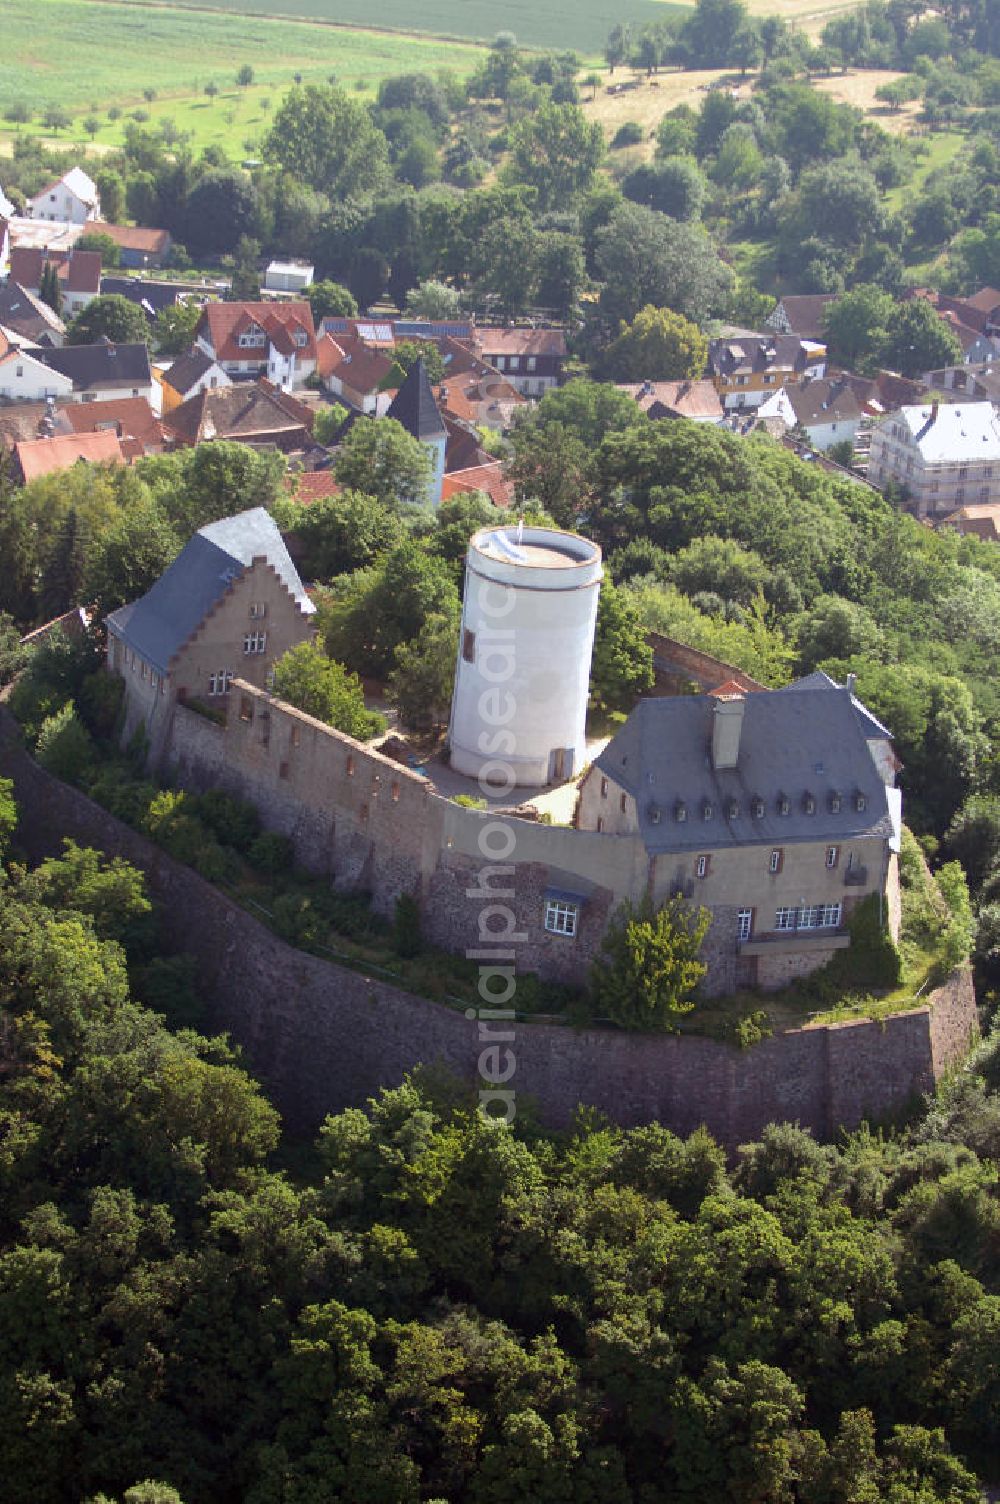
<point>73,199</point>
<point>79,274</point>
<point>130,419</point>
<point>276,340</point>
<point>230,605</point>
<point>973,381</point>
<point>25,319</point>
<point>103,371</point>
<point>978,520</point>
<point>827,410</point>
<point>974,321</point>
<point>776,811</point>
<point>697,400</point>
<point>484,399</point>
<point>355,373</point>
<point>531,359</point>
<point>24,376</point>
<point>802,314</point>
<point>189,374</point>
<point>747,369</point>
<point>139,247</point>
<point>257,414</point>
<point>34,458</point>
<point>289,276</point>
<point>939,455</point>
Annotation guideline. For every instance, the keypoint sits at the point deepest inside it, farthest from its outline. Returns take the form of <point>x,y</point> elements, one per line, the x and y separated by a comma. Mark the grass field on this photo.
<point>84,53</point>
<point>578,24</point>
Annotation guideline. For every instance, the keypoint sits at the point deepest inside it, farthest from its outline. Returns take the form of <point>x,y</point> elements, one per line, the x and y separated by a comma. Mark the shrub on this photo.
<point>64,745</point>
<point>648,967</point>
<point>629,133</point>
<point>234,822</point>
<point>271,853</point>
<point>406,937</point>
<point>469,801</point>
<point>126,798</point>
<point>100,702</point>
<point>169,985</point>
<point>296,920</point>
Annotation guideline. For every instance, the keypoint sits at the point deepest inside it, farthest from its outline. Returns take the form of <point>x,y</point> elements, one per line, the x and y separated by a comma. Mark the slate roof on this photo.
<point>159,624</point>
<point>187,370</point>
<point>749,355</point>
<point>100,365</point>
<point>810,742</point>
<point>414,407</point>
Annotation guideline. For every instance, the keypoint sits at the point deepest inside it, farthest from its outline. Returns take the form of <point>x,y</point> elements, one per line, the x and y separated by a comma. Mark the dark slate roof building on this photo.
<point>102,367</point>
<point>159,624</point>
<point>26,315</point>
<point>762,769</point>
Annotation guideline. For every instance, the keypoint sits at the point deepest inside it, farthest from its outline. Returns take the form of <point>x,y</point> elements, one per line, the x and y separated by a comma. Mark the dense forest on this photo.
<point>424,1307</point>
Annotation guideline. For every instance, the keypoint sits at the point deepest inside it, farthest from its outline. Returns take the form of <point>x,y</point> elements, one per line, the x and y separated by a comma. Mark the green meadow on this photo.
<point>88,55</point>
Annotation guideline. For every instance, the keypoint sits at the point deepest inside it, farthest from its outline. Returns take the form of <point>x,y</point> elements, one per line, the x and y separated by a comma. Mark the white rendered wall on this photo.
<point>524,697</point>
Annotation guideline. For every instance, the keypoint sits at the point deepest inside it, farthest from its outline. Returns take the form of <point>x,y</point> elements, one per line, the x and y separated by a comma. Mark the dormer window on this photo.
<point>784,804</point>
<point>835,803</point>
<point>680,812</point>
<point>733,809</point>
<point>301,338</point>
<point>757,808</point>
<point>706,810</point>
<point>860,803</point>
<point>809,803</point>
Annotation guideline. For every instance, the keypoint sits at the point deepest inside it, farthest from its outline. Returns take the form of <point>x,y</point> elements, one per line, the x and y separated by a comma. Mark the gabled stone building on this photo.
<point>774,810</point>
<point>229,606</point>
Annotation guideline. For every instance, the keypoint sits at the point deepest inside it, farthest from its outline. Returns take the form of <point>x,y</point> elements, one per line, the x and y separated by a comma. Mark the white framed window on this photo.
<point>829,916</point>
<point>561,917</point>
<point>809,804</point>
<point>744,924</point>
<point>258,609</point>
<point>784,805</point>
<point>706,811</point>
<point>702,865</point>
<point>219,682</point>
<point>832,856</point>
<point>515,362</point>
<point>860,803</point>
<point>774,861</point>
<point>255,642</point>
<point>809,917</point>
<point>784,919</point>
<point>532,362</point>
<point>301,338</point>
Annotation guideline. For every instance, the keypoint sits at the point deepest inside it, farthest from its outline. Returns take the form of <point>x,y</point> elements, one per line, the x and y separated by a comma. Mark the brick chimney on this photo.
<point>727,727</point>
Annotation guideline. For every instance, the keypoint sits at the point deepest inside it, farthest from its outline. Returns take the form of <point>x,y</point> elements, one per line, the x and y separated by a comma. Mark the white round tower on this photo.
<point>519,708</point>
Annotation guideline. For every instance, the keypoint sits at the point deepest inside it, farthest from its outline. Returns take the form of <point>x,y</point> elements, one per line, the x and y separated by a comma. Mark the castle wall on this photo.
<point>323,1038</point>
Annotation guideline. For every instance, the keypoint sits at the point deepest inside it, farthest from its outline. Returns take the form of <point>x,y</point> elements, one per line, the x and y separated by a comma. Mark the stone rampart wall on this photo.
<point>322,1037</point>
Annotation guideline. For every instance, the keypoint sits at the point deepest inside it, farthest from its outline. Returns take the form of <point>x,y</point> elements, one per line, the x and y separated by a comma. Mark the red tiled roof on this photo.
<point>470,396</point>
<point>312,485</point>
<point>358,365</point>
<point>37,457</point>
<point>488,478</point>
<point>691,399</point>
<point>131,418</point>
<point>78,271</point>
<point>223,322</point>
<point>131,237</point>
<point>521,341</point>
